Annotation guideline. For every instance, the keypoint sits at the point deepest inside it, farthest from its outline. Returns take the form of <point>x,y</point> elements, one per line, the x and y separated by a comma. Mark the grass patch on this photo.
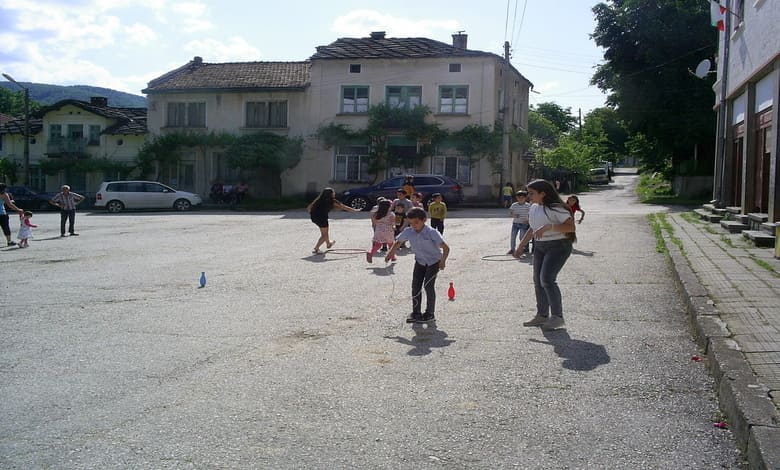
<point>655,189</point>
<point>765,265</point>
<point>727,240</point>
<point>659,224</point>
<point>691,217</point>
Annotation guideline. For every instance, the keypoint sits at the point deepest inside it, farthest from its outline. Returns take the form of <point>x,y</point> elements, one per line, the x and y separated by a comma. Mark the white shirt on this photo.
<point>539,216</point>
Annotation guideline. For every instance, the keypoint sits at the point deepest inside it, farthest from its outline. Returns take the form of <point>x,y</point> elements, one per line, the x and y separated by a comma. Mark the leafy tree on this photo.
<point>560,117</point>
<point>477,141</point>
<point>7,171</point>
<point>649,46</point>
<point>266,152</point>
<point>570,155</point>
<point>12,103</point>
<point>543,132</point>
<point>603,129</point>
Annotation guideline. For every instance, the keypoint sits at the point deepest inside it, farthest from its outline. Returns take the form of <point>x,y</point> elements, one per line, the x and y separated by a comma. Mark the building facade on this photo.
<point>339,84</point>
<point>747,174</point>
<point>69,135</point>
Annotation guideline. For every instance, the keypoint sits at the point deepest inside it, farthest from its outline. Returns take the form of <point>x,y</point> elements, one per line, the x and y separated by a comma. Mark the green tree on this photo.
<point>649,46</point>
<point>543,132</point>
<point>603,130</point>
<point>560,117</point>
<point>266,152</point>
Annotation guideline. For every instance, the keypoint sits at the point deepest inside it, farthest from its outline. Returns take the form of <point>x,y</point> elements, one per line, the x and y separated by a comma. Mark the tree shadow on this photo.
<point>576,354</point>
<point>424,339</point>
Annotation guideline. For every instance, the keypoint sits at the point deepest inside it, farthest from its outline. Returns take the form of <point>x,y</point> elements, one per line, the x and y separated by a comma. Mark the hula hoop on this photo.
<point>505,258</point>
<point>345,251</point>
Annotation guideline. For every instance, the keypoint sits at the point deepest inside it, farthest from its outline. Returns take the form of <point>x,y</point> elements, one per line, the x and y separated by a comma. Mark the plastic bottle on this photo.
<point>203,279</point>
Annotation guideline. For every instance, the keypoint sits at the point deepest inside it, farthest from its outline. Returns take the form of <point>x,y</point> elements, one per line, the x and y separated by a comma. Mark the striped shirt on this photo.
<point>519,212</point>
<point>68,201</point>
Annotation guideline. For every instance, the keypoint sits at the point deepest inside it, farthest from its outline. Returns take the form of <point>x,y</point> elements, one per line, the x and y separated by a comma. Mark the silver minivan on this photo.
<point>115,196</point>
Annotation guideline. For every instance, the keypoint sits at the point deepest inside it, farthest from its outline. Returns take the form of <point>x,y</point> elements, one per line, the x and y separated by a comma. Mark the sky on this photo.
<point>123,44</point>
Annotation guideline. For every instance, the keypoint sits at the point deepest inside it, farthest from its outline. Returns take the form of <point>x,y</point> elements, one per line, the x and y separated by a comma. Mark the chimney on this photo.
<point>377,34</point>
<point>101,101</point>
<point>197,60</point>
<point>459,40</point>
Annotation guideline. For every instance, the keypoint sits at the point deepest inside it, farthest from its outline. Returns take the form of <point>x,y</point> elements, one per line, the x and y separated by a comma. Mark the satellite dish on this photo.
<point>703,69</point>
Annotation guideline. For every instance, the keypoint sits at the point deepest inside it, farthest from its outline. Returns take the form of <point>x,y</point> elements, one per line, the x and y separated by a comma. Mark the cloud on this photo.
<point>360,23</point>
<point>236,49</point>
<point>140,34</point>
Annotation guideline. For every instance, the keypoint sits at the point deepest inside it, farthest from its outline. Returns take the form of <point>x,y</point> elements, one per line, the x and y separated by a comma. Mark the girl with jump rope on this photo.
<point>430,256</point>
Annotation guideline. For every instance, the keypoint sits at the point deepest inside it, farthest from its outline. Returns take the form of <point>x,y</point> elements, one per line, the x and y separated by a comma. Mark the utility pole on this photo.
<point>722,134</point>
<point>506,166</point>
<point>26,165</point>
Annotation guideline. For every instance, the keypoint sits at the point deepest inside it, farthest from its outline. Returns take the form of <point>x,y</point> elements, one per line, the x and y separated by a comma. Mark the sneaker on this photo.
<point>414,318</point>
<point>62,235</point>
<point>536,321</point>
<point>553,323</point>
<point>74,234</point>
<point>369,257</point>
<point>11,243</point>
<point>428,317</point>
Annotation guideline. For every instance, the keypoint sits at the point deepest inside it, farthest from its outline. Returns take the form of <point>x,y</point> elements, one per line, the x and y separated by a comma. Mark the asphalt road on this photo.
<point>112,357</point>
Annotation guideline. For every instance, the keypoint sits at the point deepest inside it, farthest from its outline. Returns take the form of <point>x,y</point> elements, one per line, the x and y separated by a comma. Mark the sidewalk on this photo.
<point>733,295</point>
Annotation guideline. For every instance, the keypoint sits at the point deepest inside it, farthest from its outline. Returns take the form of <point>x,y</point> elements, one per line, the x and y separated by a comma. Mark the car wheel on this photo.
<point>115,206</point>
<point>182,205</point>
<point>359,202</point>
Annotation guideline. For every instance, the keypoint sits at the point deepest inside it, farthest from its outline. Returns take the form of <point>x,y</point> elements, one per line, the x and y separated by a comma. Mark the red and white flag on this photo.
<point>717,15</point>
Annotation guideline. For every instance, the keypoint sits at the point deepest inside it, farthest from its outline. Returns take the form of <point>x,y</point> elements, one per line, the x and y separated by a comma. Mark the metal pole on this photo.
<point>722,117</point>
<point>26,163</point>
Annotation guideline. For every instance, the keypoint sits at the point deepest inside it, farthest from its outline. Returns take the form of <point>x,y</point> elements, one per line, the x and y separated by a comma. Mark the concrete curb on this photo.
<point>752,416</point>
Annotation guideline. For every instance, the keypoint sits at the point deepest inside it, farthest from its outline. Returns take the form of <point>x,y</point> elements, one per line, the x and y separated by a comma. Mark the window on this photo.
<point>354,68</point>
<point>456,166</point>
<point>186,115</point>
<point>94,135</point>
<point>454,99</point>
<point>406,97</point>
<point>738,18</point>
<point>55,131</point>
<point>266,114</point>
<point>351,164</point>
<point>354,99</point>
<point>454,67</point>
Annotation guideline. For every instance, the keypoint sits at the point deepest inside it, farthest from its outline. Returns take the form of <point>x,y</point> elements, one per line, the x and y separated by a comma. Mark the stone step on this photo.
<point>759,238</point>
<point>733,226</point>
<point>708,216</point>
<point>708,207</point>
<point>734,209</point>
<point>742,218</point>
<point>769,227</point>
<point>755,219</point>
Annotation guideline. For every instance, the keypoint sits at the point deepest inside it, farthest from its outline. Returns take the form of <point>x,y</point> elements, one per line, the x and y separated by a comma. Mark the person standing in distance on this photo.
<point>67,200</point>
<point>5,200</point>
<point>552,227</point>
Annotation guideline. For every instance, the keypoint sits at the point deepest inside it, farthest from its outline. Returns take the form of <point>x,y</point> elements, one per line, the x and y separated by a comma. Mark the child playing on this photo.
<point>417,200</point>
<point>409,185</point>
<point>400,207</point>
<point>519,213</point>
<point>438,211</point>
<point>383,222</point>
<point>506,193</point>
<point>430,256</point>
<point>573,202</point>
<point>25,229</point>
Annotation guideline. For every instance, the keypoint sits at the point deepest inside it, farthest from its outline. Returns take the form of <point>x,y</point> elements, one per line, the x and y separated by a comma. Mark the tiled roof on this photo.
<point>128,120</point>
<point>198,75</point>
<point>392,48</point>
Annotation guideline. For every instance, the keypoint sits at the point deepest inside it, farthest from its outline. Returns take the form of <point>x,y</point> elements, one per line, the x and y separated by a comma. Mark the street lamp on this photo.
<point>26,165</point>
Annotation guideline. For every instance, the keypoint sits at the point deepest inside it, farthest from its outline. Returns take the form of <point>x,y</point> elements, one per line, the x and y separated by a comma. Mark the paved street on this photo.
<point>112,357</point>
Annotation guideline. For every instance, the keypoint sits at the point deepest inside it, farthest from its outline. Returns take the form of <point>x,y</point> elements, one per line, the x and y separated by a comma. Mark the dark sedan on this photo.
<point>364,198</point>
<point>27,199</point>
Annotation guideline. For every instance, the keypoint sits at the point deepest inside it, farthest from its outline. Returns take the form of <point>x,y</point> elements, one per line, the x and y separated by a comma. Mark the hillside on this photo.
<point>49,94</point>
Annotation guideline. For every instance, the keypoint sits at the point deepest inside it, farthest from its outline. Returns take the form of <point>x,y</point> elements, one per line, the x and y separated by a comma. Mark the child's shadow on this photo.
<point>583,253</point>
<point>386,270</point>
<point>576,354</point>
<point>424,339</point>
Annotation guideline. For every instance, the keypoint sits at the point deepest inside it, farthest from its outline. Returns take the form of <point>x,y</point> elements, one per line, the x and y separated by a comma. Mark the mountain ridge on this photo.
<point>47,94</point>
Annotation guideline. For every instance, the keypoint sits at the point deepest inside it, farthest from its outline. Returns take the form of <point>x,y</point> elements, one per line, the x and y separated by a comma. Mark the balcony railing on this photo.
<point>67,146</point>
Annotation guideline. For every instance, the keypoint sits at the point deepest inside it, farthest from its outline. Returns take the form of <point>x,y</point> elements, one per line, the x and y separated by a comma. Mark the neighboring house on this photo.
<point>339,84</point>
<point>747,173</point>
<point>74,131</point>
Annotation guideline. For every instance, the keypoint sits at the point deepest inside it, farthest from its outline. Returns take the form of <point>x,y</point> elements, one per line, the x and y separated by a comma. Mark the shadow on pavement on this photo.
<point>576,354</point>
<point>424,339</point>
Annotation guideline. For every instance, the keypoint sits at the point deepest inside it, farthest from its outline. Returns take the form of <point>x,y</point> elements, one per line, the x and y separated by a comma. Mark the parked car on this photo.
<point>364,198</point>
<point>116,196</point>
<point>598,176</point>
<point>29,200</point>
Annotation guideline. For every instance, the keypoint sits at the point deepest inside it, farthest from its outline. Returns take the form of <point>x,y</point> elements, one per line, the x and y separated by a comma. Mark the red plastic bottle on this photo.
<point>451,292</point>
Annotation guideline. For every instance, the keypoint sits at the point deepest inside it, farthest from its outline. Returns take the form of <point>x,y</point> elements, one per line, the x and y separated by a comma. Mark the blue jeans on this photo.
<point>549,258</point>
<point>518,231</point>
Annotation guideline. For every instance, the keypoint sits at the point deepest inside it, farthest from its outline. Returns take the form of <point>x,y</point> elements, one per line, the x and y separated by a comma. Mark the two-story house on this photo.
<point>339,84</point>
<point>74,132</point>
<point>747,176</point>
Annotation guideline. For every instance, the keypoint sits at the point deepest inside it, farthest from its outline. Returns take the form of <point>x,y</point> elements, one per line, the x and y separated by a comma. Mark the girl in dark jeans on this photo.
<point>5,201</point>
<point>552,228</point>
